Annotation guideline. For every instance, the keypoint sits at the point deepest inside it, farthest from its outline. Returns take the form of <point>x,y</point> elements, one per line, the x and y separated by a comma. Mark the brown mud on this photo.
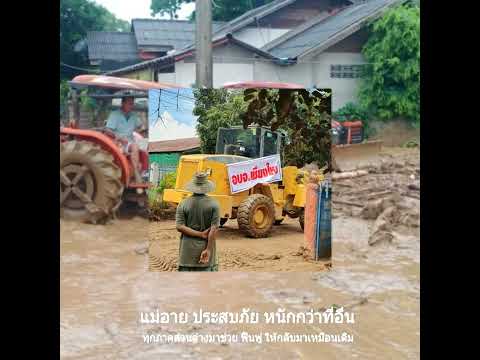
<point>105,285</point>
<point>283,250</point>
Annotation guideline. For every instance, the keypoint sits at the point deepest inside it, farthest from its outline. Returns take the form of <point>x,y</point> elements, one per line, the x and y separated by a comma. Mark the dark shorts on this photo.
<point>198,268</point>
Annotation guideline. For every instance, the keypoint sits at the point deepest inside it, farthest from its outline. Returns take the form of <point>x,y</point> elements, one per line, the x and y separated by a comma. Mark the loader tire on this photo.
<point>301,219</point>
<point>256,215</point>
<point>90,182</point>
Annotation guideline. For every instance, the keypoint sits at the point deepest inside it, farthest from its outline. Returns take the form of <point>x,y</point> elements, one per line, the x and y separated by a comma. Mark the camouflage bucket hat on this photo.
<point>200,184</point>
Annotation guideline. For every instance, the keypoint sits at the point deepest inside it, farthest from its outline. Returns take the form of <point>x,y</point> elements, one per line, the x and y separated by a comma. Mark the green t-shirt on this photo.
<point>198,212</point>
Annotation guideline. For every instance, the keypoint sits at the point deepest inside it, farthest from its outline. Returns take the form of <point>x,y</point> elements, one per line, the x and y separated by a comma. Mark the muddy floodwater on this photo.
<point>105,284</point>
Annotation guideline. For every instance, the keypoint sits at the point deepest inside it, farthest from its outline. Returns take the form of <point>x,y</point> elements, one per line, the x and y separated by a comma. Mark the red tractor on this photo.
<point>95,173</point>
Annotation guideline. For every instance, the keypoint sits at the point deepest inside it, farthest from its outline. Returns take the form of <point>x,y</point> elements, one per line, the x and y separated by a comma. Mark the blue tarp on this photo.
<point>323,241</point>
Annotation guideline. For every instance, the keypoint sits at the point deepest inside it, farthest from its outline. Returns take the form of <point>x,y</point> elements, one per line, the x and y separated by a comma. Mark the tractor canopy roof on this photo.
<point>261,85</point>
<point>118,84</point>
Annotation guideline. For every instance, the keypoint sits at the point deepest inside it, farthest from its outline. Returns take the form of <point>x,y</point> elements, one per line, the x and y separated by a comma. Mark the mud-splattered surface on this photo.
<point>283,250</point>
<point>105,285</point>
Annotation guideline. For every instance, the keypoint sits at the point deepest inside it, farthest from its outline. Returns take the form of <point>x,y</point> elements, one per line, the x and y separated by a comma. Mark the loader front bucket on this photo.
<point>356,156</point>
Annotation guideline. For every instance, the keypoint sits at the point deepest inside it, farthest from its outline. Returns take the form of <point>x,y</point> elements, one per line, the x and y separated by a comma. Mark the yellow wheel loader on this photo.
<point>256,209</point>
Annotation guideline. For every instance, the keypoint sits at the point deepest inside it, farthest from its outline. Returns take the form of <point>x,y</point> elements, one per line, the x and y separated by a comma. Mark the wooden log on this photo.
<point>413,196</point>
<point>342,184</point>
<point>358,192</point>
<point>349,174</point>
<point>348,203</point>
<point>378,194</point>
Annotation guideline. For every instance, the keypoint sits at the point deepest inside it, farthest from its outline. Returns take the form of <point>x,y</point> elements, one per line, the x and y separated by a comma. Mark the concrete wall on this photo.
<point>185,73</point>
<point>299,74</point>
<point>343,90</point>
<point>145,74</point>
<point>167,77</point>
<point>232,63</point>
<point>222,73</point>
<point>231,54</point>
<point>258,37</point>
<point>315,73</point>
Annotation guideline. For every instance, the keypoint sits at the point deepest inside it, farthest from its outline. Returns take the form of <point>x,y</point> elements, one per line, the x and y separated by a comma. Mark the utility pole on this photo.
<point>203,39</point>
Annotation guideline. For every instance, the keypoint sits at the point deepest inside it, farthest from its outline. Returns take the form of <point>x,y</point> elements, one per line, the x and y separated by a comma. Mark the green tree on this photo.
<point>167,7</point>
<point>302,115</point>
<point>216,108</point>
<point>63,97</point>
<point>77,17</point>
<point>222,10</point>
<point>391,87</point>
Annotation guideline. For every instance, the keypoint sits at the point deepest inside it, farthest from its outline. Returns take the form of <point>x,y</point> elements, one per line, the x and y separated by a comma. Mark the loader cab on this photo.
<point>253,142</point>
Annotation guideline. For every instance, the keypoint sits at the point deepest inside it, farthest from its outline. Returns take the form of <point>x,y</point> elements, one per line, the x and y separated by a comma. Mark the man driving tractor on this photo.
<point>121,124</point>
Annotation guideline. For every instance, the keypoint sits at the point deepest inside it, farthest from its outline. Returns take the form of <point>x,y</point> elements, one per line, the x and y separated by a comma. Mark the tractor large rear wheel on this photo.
<point>90,182</point>
<point>256,215</point>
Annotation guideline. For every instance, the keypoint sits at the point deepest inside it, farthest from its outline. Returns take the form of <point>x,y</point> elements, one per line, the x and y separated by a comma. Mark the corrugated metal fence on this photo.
<point>157,173</point>
<point>318,219</point>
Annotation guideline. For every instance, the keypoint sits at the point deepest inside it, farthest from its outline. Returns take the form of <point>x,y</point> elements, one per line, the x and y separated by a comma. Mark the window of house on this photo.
<point>346,71</point>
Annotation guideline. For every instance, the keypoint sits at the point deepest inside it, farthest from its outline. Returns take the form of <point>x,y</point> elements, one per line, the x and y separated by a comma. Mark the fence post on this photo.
<point>154,174</point>
<point>311,216</point>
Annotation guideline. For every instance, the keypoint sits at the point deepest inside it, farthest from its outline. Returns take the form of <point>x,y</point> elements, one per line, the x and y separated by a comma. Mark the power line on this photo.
<point>259,28</point>
<point>79,68</point>
<point>274,60</point>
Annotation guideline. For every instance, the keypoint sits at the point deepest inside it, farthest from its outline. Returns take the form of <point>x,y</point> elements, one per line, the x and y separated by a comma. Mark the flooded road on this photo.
<point>105,285</point>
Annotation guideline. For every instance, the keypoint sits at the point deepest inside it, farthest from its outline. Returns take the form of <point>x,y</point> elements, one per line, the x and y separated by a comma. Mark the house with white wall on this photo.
<point>316,43</point>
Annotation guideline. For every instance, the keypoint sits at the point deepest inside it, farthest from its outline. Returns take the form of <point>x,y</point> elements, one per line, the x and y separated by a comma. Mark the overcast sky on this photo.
<point>131,9</point>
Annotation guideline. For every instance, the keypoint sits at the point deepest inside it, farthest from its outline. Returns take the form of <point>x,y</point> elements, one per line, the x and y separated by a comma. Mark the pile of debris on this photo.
<point>388,214</point>
<point>387,194</point>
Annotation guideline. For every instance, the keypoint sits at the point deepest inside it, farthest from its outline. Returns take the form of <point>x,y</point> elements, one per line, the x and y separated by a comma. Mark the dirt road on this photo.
<point>105,286</point>
<point>282,251</point>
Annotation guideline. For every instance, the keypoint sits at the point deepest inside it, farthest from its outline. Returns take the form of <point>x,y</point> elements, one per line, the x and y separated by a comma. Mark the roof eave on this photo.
<point>246,19</point>
<point>191,52</point>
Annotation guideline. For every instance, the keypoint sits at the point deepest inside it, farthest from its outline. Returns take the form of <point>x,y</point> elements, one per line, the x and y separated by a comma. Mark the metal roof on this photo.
<point>178,55</point>
<point>250,17</point>
<point>110,65</point>
<point>320,34</point>
<point>106,45</point>
<point>173,34</point>
<point>310,38</point>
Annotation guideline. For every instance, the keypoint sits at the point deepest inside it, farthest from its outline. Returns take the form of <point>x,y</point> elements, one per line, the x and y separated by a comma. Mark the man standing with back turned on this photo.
<point>198,219</point>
